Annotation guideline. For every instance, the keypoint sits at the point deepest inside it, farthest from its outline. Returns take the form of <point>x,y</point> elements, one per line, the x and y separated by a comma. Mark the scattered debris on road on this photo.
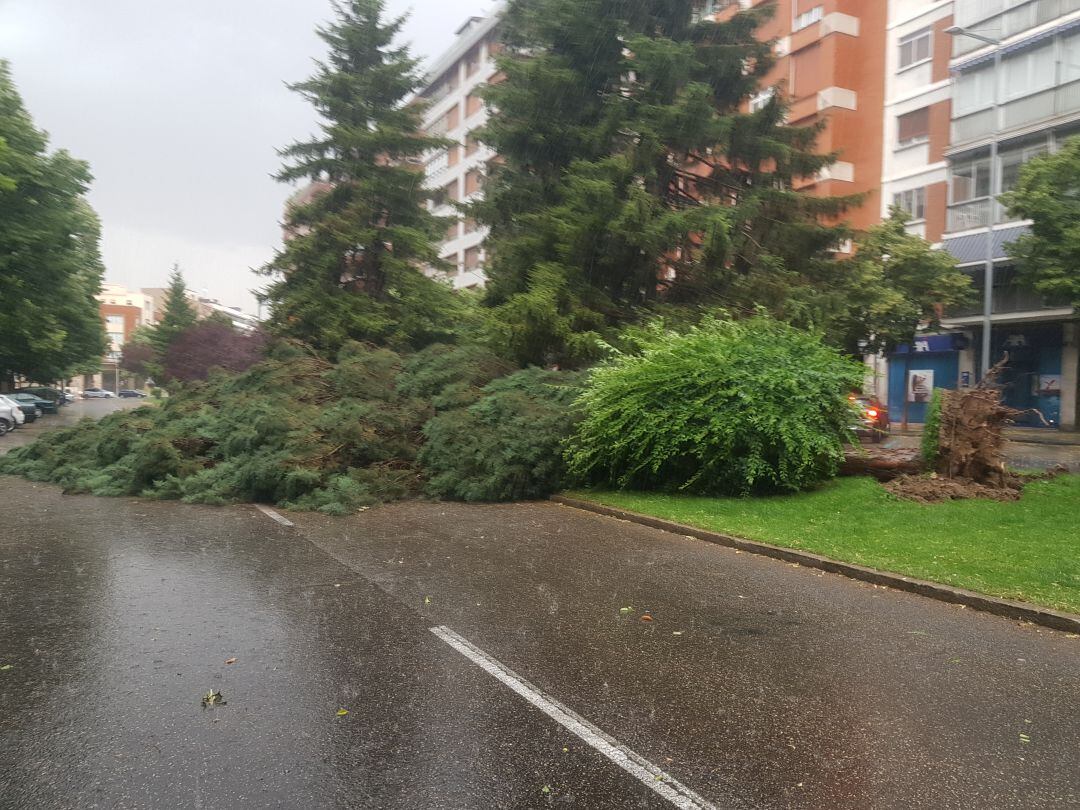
<point>213,698</point>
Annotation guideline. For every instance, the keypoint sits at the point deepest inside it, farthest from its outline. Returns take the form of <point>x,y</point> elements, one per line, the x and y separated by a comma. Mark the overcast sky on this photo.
<point>179,107</point>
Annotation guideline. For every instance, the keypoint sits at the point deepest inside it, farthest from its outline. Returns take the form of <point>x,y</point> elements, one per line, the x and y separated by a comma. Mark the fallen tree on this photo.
<point>970,460</point>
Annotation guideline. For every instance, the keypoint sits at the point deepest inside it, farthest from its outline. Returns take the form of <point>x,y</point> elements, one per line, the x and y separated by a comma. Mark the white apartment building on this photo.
<point>456,174</point>
<point>918,98</point>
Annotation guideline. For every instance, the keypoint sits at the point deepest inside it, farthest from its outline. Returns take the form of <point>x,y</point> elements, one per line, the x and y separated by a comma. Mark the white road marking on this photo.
<point>637,766</point>
<point>270,513</point>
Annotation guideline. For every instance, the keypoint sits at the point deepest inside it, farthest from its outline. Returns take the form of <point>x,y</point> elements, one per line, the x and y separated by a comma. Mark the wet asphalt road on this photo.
<point>784,688</point>
<point>69,415</point>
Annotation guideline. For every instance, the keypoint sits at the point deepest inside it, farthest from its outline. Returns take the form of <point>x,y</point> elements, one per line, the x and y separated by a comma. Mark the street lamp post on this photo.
<point>991,214</point>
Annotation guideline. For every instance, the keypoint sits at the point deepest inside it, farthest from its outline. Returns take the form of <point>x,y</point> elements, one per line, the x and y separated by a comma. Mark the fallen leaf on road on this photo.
<point>646,618</point>
<point>1072,635</point>
<point>427,600</point>
<point>342,712</point>
<point>213,698</point>
<point>624,611</point>
<point>230,660</point>
<point>566,750</point>
<point>546,789</point>
<point>1024,738</point>
<point>6,667</point>
<point>677,633</point>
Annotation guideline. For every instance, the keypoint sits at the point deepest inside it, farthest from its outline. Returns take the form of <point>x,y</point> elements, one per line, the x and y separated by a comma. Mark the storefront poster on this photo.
<point>1049,385</point>
<point>920,385</point>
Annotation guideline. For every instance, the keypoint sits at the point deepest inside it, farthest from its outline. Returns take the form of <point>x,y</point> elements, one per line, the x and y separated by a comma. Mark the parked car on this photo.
<point>11,415</point>
<point>46,405</point>
<point>874,423</point>
<point>29,405</point>
<point>97,393</point>
<point>44,392</point>
<point>130,393</point>
<point>71,394</point>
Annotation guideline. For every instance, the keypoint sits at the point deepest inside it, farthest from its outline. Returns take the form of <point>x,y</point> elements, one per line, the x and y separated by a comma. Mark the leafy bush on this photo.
<point>508,444</point>
<point>931,438</point>
<point>726,408</point>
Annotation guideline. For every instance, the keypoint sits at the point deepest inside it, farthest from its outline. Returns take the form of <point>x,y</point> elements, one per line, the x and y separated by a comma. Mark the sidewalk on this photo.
<point>1027,449</point>
<point>1019,435</point>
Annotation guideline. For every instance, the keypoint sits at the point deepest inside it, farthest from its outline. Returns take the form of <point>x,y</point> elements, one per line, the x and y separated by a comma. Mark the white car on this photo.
<point>100,393</point>
<point>11,415</point>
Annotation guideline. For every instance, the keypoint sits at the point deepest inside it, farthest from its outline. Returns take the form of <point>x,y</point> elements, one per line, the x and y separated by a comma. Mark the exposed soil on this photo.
<point>934,489</point>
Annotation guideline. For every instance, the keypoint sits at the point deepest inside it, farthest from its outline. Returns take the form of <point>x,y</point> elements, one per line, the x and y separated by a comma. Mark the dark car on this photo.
<point>874,422</point>
<point>45,405</point>
<point>44,392</point>
<point>129,393</point>
<point>30,405</point>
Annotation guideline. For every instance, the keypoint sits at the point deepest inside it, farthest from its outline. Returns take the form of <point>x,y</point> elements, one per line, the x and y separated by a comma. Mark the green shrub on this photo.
<point>726,408</point>
<point>931,438</point>
<point>507,445</point>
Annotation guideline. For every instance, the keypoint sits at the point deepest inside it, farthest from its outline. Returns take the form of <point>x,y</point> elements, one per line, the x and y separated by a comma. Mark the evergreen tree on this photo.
<point>353,267</point>
<point>628,177</point>
<point>50,262</point>
<point>177,317</point>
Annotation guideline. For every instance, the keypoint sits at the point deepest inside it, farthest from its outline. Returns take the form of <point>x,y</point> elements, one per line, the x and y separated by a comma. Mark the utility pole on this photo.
<point>991,214</point>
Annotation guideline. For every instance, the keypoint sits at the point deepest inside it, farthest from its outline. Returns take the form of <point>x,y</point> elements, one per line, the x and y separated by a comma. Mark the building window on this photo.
<point>970,180</point>
<point>473,105</point>
<point>1013,161</point>
<point>453,155</point>
<point>913,127</point>
<point>470,225</point>
<point>761,100</point>
<point>472,145</point>
<point>974,91</point>
<point>474,181</point>
<point>472,62</point>
<point>1030,72</point>
<point>808,18</point>
<point>452,231</point>
<point>451,191</point>
<point>472,259</point>
<point>915,48</point>
<point>913,201</point>
<point>1070,61</point>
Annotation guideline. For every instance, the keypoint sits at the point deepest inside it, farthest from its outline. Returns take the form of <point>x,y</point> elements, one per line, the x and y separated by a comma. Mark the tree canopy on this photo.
<point>177,317</point>
<point>1048,194</point>
<point>352,266</point>
<point>628,175</point>
<point>896,283</point>
<point>50,261</point>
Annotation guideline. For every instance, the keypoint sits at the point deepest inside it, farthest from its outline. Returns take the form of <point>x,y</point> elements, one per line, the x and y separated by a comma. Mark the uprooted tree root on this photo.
<point>971,459</point>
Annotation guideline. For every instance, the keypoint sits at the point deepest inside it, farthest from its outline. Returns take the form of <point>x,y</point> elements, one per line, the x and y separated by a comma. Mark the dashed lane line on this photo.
<point>270,513</point>
<point>637,766</point>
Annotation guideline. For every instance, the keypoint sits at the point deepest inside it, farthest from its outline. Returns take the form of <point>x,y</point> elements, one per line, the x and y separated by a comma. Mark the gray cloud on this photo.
<point>179,107</point>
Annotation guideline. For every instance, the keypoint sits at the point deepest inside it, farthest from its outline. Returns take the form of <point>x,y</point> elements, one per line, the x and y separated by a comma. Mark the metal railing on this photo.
<point>968,215</point>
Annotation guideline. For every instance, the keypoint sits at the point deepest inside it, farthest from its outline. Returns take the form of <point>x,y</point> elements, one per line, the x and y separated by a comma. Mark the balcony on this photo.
<point>1056,102</point>
<point>972,214</point>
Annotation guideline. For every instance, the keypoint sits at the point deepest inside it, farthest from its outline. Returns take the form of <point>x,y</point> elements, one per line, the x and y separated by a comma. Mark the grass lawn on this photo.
<point>1027,550</point>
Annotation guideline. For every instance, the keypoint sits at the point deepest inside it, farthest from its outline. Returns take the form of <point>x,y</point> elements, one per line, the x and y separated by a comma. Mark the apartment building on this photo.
<point>1015,96</point>
<point>455,111</point>
<point>830,65</point>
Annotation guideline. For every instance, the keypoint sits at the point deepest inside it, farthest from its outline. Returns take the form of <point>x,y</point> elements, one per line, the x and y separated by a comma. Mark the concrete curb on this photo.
<point>1018,611</point>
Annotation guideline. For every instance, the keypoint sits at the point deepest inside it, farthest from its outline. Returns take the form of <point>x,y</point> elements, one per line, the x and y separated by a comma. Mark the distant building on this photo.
<point>456,111</point>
